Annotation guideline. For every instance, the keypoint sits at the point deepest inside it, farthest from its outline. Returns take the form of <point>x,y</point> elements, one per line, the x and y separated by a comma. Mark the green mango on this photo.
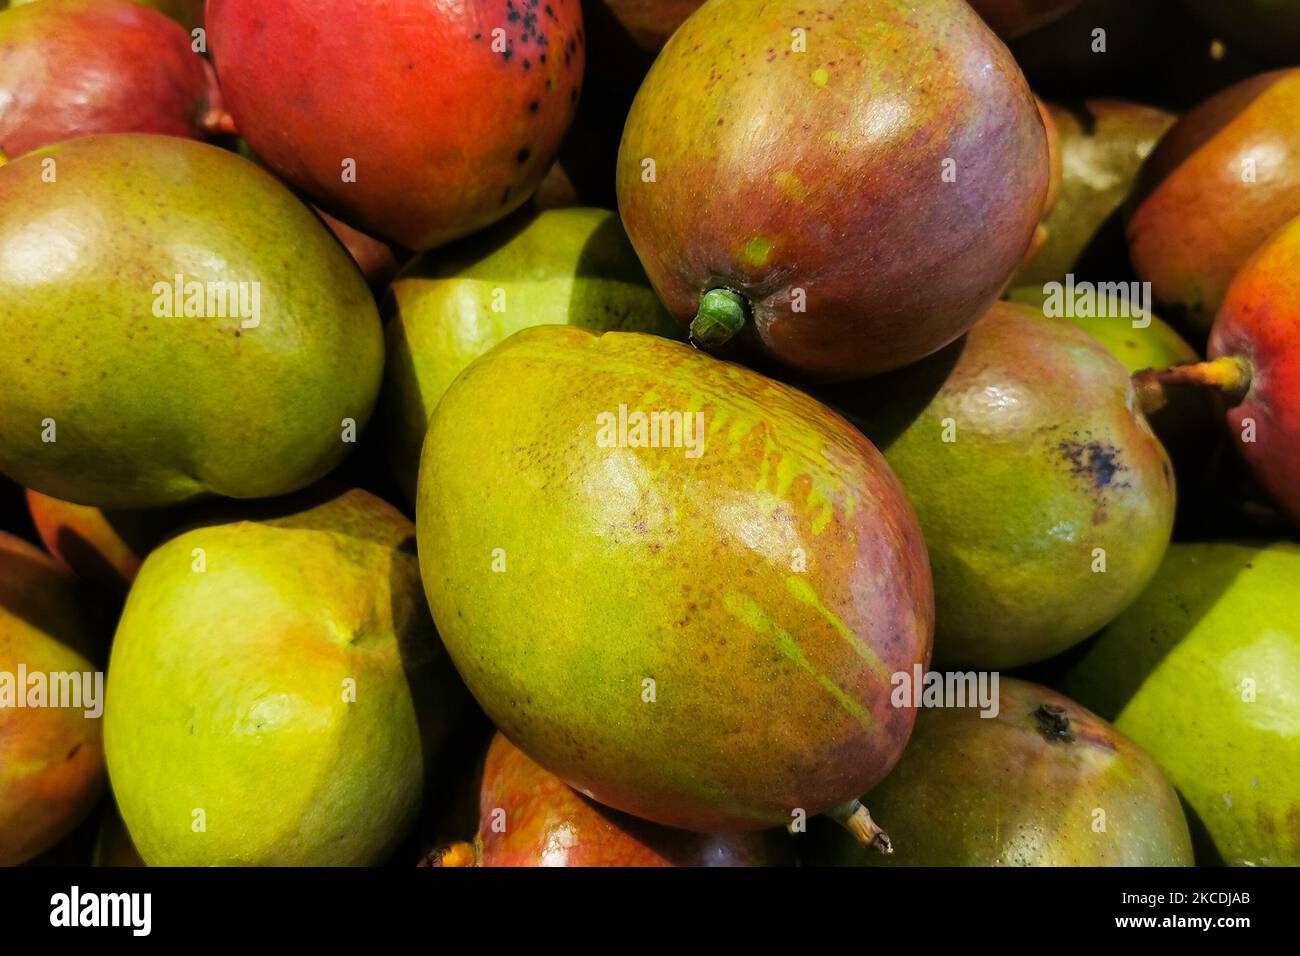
<point>1045,499</point>
<point>282,676</point>
<point>1204,672</point>
<point>1156,345</point>
<point>115,396</point>
<point>562,267</point>
<point>1041,782</point>
<point>696,625</point>
<point>1103,145</point>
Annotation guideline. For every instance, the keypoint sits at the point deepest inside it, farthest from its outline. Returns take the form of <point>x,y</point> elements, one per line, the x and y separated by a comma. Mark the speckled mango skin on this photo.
<point>77,67</point>
<point>562,267</point>
<point>549,824</point>
<point>1051,460</point>
<point>226,691</point>
<point>823,171</point>
<point>1198,220</point>
<point>153,410</point>
<point>1260,320</point>
<point>448,134</point>
<point>51,759</point>
<point>624,564</point>
<point>1003,791</point>
<point>1170,672</point>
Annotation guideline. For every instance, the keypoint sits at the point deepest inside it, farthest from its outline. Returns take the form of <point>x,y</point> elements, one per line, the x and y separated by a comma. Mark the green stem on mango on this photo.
<point>1230,375</point>
<point>722,314</point>
<point>856,818</point>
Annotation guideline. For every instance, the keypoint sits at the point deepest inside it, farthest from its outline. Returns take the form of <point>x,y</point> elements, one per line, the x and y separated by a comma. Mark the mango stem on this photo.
<point>856,818</point>
<point>1229,374</point>
<point>218,122</point>
<point>722,313</point>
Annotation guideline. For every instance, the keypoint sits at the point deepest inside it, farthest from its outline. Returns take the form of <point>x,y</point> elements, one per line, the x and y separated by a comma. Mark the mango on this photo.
<point>529,818</point>
<point>1043,782</point>
<point>697,624</point>
<point>1204,673</point>
<point>827,190</point>
<point>277,694</point>
<point>561,267</point>
<point>51,757</point>
<point>1045,498</point>
<point>122,391</point>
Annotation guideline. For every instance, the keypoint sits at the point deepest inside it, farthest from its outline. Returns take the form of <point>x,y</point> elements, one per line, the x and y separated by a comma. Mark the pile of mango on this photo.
<point>649,432</point>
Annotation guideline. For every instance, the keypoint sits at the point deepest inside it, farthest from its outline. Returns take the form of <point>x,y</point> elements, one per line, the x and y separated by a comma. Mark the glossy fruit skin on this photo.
<point>228,689</point>
<point>377,260</point>
<point>1014,18</point>
<point>465,133</point>
<point>770,683</point>
<point>151,410</point>
<point>78,67</point>
<point>1260,320</point>
<point>1198,219</point>
<point>51,758</point>
<point>1102,148</point>
<point>562,267</point>
<point>824,172</point>
<point>103,548</point>
<point>1047,460</point>
<point>1171,671</point>
<point>1020,789</point>
<point>548,824</point>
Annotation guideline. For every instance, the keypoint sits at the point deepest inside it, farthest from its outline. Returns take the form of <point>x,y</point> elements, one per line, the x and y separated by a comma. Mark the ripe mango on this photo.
<point>121,393</point>
<point>277,693</point>
<point>1042,783</point>
<point>696,625</point>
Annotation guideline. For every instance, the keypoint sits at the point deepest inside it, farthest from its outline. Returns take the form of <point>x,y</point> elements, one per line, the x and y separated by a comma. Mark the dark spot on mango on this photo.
<point>73,752</point>
<point>523,155</point>
<point>532,107</point>
<point>1096,462</point>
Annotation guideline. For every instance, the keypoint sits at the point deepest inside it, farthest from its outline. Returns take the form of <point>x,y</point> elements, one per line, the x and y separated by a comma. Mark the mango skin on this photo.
<point>1014,18</point>
<point>77,67</point>
<point>1199,220</point>
<point>1051,460</point>
<point>227,688</point>
<point>104,548</point>
<point>1011,790</point>
<point>51,759</point>
<point>813,183</point>
<point>649,23</point>
<point>152,410</point>
<point>1260,321</point>
<point>466,129</point>
<point>548,824</point>
<point>771,685</point>
<point>1158,345</point>
<point>562,267</point>
<point>1170,673</point>
<point>1103,145</point>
